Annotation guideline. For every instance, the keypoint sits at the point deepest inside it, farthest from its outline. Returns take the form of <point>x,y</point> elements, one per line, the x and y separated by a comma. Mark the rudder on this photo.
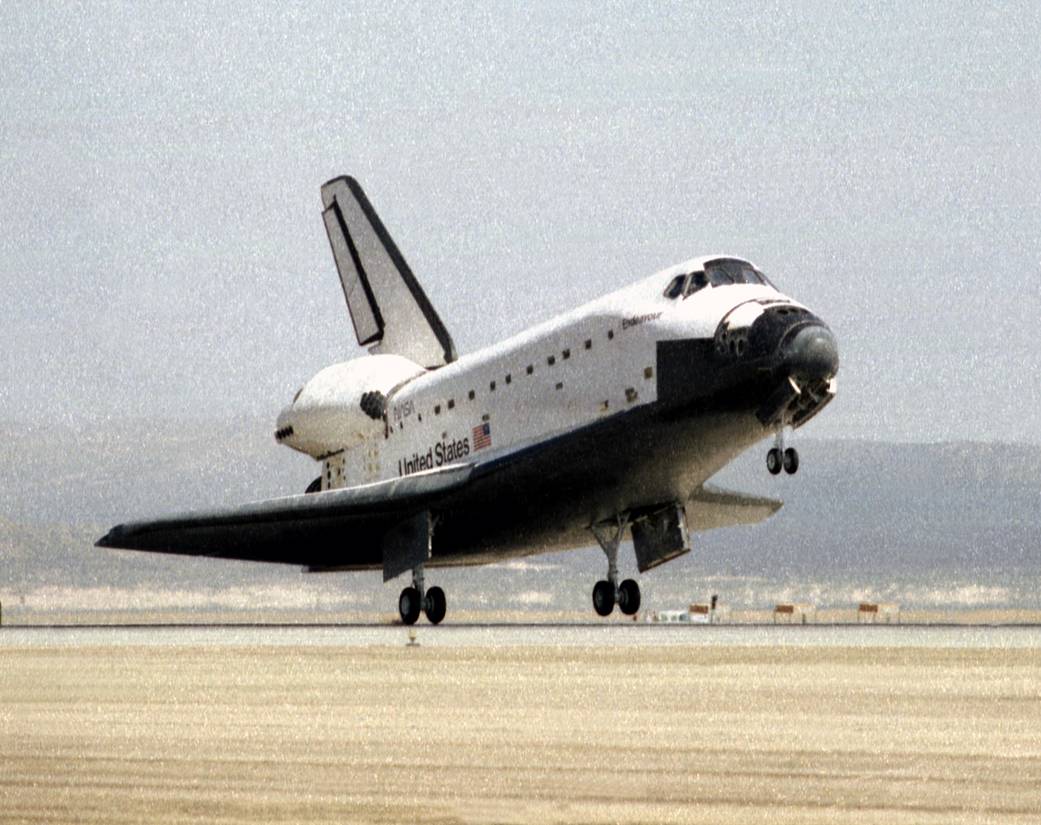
<point>388,308</point>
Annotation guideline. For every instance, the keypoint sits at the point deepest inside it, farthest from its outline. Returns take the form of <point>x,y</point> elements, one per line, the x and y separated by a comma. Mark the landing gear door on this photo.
<point>660,536</point>
<point>406,545</point>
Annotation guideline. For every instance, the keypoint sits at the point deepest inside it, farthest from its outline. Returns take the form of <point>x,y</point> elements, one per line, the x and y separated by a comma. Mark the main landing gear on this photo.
<point>780,457</point>
<point>608,593</point>
<point>415,600</point>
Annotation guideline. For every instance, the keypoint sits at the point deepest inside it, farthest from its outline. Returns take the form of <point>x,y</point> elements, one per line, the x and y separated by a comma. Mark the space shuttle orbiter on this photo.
<point>604,422</point>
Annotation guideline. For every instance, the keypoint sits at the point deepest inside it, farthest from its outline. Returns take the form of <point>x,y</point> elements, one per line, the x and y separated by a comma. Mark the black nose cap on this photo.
<point>813,353</point>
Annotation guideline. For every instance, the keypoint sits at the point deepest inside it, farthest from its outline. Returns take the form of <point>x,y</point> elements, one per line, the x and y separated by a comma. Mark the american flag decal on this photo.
<point>482,434</point>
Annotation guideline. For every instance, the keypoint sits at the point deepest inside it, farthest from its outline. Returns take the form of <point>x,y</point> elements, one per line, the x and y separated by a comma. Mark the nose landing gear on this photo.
<point>415,600</point>
<point>608,593</point>
<point>780,457</point>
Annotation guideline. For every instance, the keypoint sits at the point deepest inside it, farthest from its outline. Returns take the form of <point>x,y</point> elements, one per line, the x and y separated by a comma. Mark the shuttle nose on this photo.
<point>813,354</point>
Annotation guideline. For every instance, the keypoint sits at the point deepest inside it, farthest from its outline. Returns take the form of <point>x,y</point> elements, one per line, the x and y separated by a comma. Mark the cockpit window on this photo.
<point>720,272</point>
<point>675,287</point>
<point>732,271</point>
<point>697,281</point>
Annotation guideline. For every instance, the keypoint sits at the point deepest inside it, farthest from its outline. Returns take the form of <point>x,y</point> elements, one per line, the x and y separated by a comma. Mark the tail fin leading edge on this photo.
<point>389,310</point>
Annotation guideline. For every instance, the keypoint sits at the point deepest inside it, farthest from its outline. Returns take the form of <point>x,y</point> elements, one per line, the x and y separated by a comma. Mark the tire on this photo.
<point>409,605</point>
<point>791,461</point>
<point>629,597</point>
<point>774,461</point>
<point>603,598</point>
<point>436,605</point>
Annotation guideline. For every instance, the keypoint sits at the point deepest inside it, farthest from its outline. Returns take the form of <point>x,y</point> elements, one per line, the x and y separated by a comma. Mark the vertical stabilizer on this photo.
<point>390,312</point>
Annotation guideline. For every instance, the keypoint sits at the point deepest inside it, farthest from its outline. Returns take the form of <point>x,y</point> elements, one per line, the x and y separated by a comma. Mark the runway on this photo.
<point>620,724</point>
<point>512,634</point>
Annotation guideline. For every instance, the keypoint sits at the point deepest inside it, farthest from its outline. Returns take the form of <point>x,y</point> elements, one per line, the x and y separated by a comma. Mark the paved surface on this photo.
<point>244,732</point>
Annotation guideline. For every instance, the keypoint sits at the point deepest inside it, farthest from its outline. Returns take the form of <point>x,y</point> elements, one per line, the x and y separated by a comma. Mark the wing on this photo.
<point>345,529</point>
<point>390,312</point>
<point>712,507</point>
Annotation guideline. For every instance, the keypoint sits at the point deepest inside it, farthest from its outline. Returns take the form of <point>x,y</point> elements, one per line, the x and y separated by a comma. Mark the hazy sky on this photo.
<point>162,249</point>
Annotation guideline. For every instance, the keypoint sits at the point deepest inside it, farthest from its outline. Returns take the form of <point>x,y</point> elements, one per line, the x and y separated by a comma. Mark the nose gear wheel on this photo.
<point>781,456</point>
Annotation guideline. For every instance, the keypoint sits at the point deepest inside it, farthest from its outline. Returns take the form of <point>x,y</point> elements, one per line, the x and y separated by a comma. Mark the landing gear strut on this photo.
<point>607,593</point>
<point>416,599</point>
<point>780,457</point>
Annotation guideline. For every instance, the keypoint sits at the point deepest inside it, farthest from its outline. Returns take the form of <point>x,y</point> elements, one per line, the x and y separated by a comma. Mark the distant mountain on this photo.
<point>912,521</point>
<point>130,469</point>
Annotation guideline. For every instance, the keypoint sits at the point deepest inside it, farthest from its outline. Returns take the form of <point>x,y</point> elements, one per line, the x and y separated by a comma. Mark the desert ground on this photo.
<point>519,734</point>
